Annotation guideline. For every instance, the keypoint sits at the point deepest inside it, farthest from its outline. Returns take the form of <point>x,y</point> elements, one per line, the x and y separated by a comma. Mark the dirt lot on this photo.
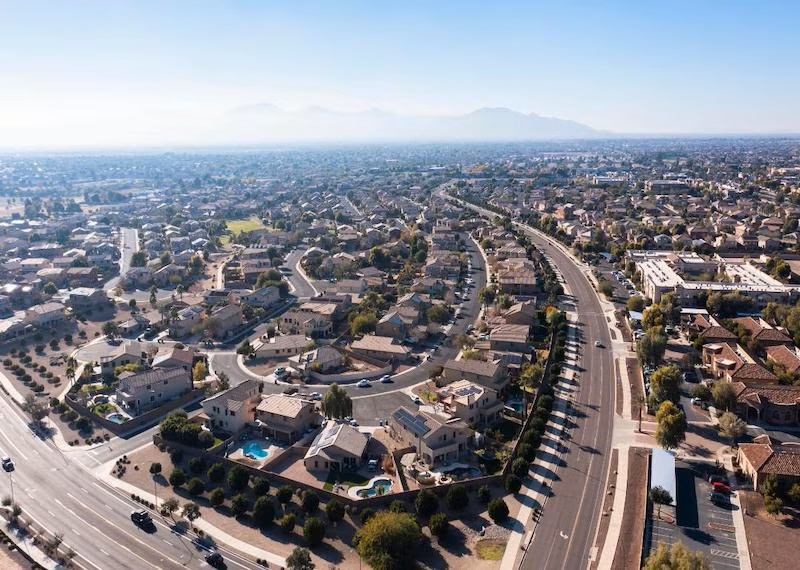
<point>458,550</point>
<point>629,552</point>
<point>771,543</point>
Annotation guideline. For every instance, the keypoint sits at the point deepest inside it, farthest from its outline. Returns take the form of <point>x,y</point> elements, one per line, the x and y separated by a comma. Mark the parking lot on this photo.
<point>699,524</point>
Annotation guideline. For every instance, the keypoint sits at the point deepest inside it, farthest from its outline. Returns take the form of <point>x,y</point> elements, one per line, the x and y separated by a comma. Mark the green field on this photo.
<point>244,225</point>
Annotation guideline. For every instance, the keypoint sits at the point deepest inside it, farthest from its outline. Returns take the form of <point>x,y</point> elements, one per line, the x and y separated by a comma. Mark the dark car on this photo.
<point>141,518</point>
<point>719,479</point>
<point>215,560</point>
<point>721,488</point>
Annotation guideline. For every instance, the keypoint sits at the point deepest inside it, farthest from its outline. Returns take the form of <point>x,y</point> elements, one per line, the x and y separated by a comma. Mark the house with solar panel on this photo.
<point>473,403</point>
<point>438,440</point>
<point>338,447</point>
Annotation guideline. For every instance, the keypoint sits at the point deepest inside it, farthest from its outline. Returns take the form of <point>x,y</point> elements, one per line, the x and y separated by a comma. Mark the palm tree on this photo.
<point>179,291</point>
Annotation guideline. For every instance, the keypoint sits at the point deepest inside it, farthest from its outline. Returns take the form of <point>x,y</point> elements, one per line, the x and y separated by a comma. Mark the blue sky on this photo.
<point>78,70</point>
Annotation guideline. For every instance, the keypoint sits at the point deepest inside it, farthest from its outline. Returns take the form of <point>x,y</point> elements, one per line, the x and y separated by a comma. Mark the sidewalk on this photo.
<point>102,472</point>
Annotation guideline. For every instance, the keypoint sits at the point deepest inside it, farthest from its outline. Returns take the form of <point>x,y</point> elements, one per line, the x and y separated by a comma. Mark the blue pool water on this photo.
<point>254,449</point>
<point>117,418</point>
<point>385,484</point>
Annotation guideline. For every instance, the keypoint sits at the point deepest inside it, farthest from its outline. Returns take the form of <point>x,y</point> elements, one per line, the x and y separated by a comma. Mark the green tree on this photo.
<point>701,391</point>
<point>606,288</point>
<point>363,323</point>
<point>195,487</point>
<point>287,522</point>
<point>314,531</point>
<point>486,295</point>
<point>170,506</point>
<point>50,288</point>
<point>653,316</point>
<point>238,478</point>
<point>660,496</point>
<point>457,498</point>
<point>732,426</point>
<point>439,525</point>
<point>336,403</point>
<point>239,505</point>
<point>389,541</point>
<point>310,502</point>
<point>651,347</point>
<point>438,314</point>
<point>675,557</point>
<point>671,429</point>
<point>110,328</point>
<point>665,385</point>
<point>498,510</point>
<point>635,303</point>
<point>426,503</point>
<point>217,497</point>
<point>299,559</point>
<point>263,510</point>
<point>155,468</point>
<point>177,477</point>
<point>334,510</point>
<point>484,494</point>
<point>216,472</point>
<point>284,494</point>
<point>513,483</point>
<point>723,395</point>
<point>191,511</point>
<point>260,486</point>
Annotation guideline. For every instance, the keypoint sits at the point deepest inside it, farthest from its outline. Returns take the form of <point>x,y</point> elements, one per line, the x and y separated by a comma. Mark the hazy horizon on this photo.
<point>147,74</point>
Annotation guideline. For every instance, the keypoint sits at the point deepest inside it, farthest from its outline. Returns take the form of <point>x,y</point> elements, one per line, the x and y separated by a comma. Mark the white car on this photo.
<point>364,383</point>
<point>386,379</point>
<point>416,399</point>
<point>315,396</point>
<point>598,344</point>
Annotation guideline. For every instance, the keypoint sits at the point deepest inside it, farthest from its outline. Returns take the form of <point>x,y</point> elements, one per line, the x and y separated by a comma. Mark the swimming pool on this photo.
<point>254,449</point>
<point>117,418</point>
<point>372,490</point>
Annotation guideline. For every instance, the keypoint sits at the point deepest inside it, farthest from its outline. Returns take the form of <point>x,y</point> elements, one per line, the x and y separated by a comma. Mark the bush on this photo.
<point>532,438</point>
<point>284,494</point>
<point>195,487</point>
<point>513,484</point>
<point>263,510</point>
<point>439,525</point>
<point>205,439</point>
<point>526,452</point>
<point>389,540</point>
<point>334,510</point>
<point>216,472</point>
<point>287,522</point>
<point>314,531</point>
<point>239,505</point>
<point>520,467</point>
<point>260,486</point>
<point>367,514</point>
<point>82,423</point>
<point>426,503</point>
<point>498,510</point>
<point>155,468</point>
<point>398,506</point>
<point>772,504</point>
<point>217,497</point>
<point>457,498</point>
<point>310,502</point>
<point>177,477</point>
<point>197,465</point>
<point>238,478</point>
<point>176,455</point>
<point>484,494</point>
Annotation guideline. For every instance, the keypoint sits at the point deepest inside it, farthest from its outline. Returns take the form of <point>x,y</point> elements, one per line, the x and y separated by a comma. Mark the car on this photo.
<point>598,344</point>
<point>386,379</point>
<point>704,405</point>
<point>290,390</point>
<point>353,422</point>
<point>416,399</point>
<point>215,560</point>
<point>315,396</point>
<point>141,518</point>
<point>719,498</point>
<point>364,383</point>
<point>719,479</point>
<point>8,465</point>
<point>696,401</point>
<point>722,488</point>
<point>470,328</point>
<point>280,372</point>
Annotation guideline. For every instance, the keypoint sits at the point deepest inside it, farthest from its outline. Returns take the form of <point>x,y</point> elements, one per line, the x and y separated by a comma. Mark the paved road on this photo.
<point>302,287</point>
<point>62,496</point>
<point>370,405</point>
<point>578,494</point>
<point>128,245</point>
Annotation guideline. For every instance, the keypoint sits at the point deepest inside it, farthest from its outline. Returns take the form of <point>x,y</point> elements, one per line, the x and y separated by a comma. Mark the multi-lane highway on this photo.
<point>564,537</point>
<point>58,492</point>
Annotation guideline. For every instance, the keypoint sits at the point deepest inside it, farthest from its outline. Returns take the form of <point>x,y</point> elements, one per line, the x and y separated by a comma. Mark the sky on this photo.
<point>139,72</point>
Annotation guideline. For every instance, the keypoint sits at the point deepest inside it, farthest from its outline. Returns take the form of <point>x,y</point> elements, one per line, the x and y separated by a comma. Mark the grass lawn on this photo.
<point>490,549</point>
<point>346,478</point>
<point>244,225</point>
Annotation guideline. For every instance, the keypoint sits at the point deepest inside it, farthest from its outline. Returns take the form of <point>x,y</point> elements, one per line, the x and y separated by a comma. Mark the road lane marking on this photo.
<point>75,531</point>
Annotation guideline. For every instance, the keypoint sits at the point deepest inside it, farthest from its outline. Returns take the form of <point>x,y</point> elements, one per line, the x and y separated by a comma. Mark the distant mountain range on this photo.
<point>265,122</point>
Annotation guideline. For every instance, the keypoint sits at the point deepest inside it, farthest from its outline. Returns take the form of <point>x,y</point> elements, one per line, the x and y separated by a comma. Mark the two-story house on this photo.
<point>338,447</point>
<point>285,417</point>
<point>232,409</point>
<point>438,440</point>
<point>144,391</point>
<point>473,403</point>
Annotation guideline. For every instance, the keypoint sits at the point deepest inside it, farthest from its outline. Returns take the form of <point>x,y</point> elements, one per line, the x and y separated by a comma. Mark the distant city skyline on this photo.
<point>152,73</point>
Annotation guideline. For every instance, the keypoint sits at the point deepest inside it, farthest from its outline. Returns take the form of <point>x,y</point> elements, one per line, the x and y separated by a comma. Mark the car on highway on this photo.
<point>386,379</point>
<point>215,560</point>
<point>141,518</point>
<point>364,383</point>
<point>8,464</point>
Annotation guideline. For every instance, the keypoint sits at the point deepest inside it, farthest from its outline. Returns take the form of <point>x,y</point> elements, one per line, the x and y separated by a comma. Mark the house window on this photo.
<point>166,382</point>
<point>152,398</point>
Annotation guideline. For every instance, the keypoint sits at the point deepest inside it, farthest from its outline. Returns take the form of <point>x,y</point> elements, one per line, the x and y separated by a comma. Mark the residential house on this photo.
<point>285,417</point>
<point>772,403</point>
<point>510,337</point>
<point>129,352</point>
<point>46,315</point>
<point>437,440</point>
<point>174,358</point>
<point>281,346</point>
<point>308,324</point>
<point>488,374</point>
<point>473,403</point>
<point>85,299</point>
<point>81,276</point>
<point>521,314</point>
<point>228,319</point>
<point>516,277</point>
<point>763,333</point>
<point>763,458</point>
<point>231,410</point>
<point>383,348</point>
<point>733,364</point>
<point>324,360</point>
<point>264,297</point>
<point>187,322</point>
<point>144,391</point>
<point>134,326</point>
<point>338,447</point>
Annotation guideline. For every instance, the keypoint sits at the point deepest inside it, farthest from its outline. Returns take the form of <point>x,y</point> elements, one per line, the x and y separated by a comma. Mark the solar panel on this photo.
<point>468,390</point>
<point>414,423</point>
